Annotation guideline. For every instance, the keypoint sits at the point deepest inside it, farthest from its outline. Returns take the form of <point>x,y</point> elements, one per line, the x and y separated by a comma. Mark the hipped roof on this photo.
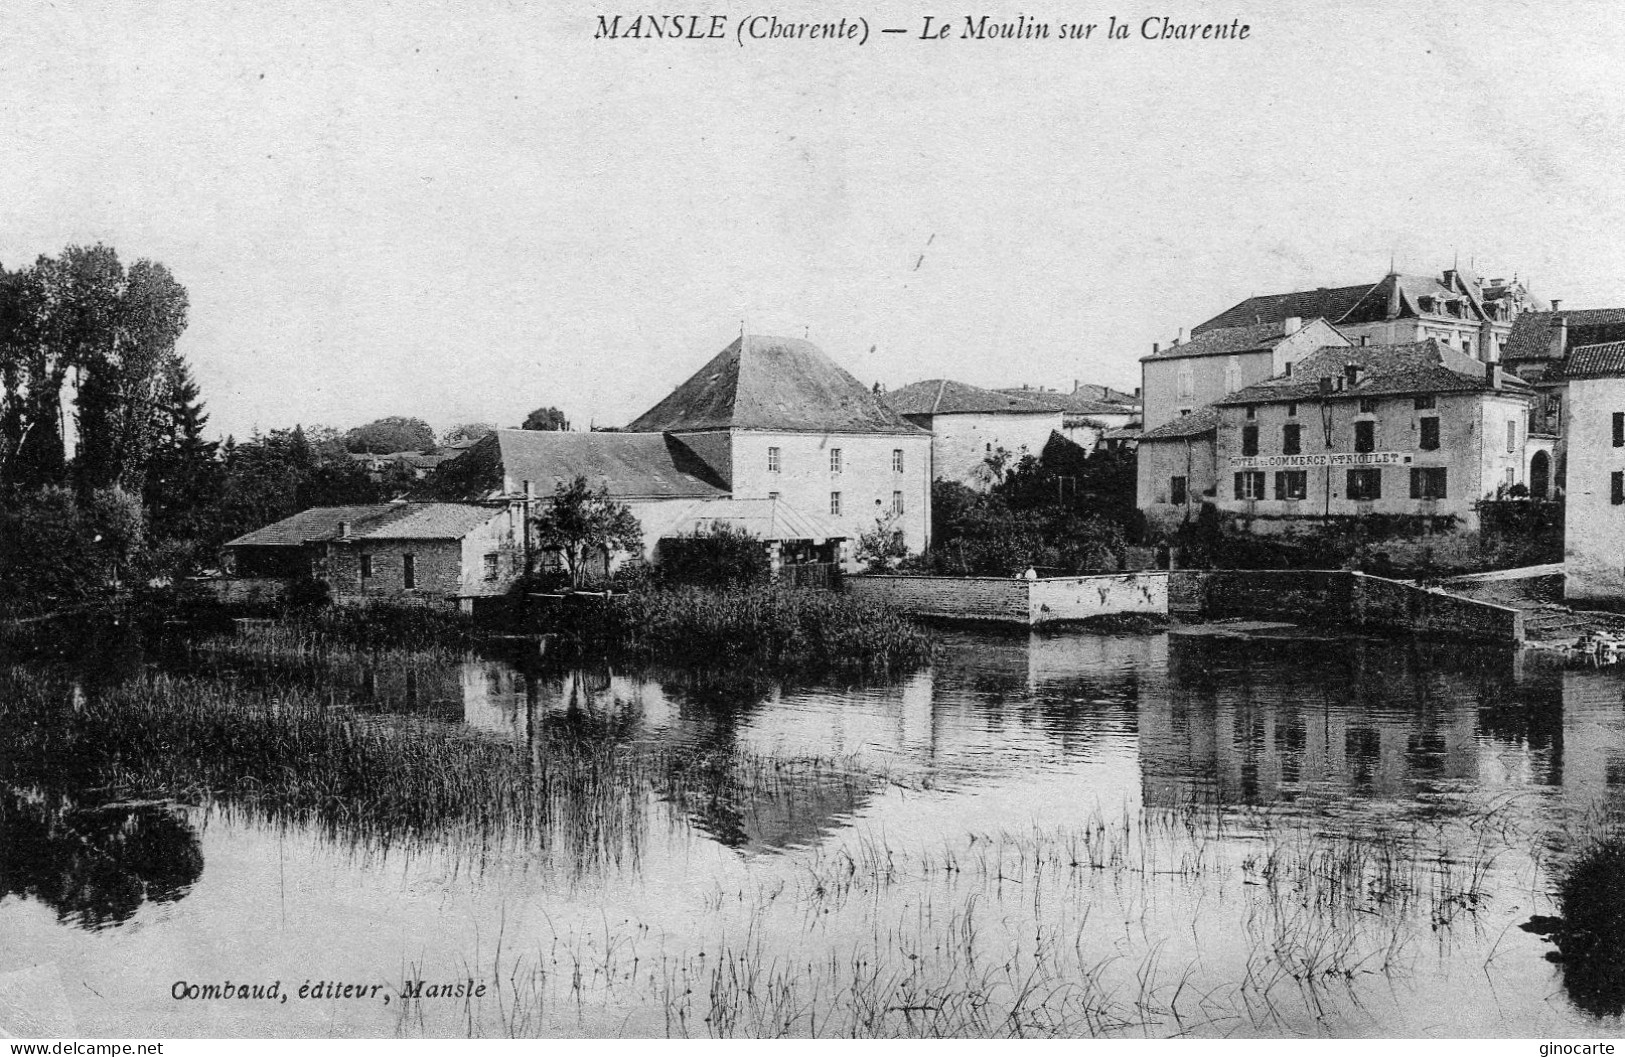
<point>770,383</point>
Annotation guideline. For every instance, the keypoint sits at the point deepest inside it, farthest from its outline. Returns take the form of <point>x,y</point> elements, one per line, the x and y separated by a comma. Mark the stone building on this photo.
<point>1412,429</point>
<point>1535,351</point>
<point>1594,515</point>
<point>1175,471</point>
<point>1092,415</point>
<point>971,426</point>
<point>776,418</point>
<point>1471,315</point>
<point>1186,375</point>
<point>447,554</point>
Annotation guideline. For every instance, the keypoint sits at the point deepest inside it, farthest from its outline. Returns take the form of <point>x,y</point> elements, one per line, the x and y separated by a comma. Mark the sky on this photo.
<point>462,211</point>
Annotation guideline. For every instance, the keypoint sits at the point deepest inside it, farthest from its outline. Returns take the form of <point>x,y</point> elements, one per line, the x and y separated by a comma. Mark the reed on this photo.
<point>771,627</point>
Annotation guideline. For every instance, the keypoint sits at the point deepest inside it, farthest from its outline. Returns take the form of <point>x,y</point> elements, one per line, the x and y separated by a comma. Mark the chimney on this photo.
<point>1136,392</point>
<point>528,492</point>
<point>1450,278</point>
<point>1497,376</point>
<point>1291,324</point>
<point>1556,304</point>
<point>1365,339</point>
<point>1560,346</point>
<point>344,530</point>
<point>1156,347</point>
<point>1393,296</point>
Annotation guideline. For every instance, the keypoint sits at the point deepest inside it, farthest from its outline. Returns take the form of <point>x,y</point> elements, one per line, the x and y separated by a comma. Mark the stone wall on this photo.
<point>955,597</point>
<point>1389,603</point>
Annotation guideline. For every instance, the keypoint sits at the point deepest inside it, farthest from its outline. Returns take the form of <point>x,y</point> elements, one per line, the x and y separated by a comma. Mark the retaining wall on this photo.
<point>1308,596</point>
<point>954,597</point>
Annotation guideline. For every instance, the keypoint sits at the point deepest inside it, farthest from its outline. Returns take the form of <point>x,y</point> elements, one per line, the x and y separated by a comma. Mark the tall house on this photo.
<point>777,418</point>
<point>1411,429</point>
<point>1218,361</point>
<point>1472,315</point>
<point>1594,517</point>
<point>973,429</point>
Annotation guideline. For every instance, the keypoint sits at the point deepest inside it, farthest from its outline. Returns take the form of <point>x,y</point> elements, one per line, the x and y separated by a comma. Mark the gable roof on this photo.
<point>1328,304</point>
<point>1596,361</point>
<point>1409,367</point>
<point>762,382</point>
<point>1533,334</point>
<point>1202,420</point>
<point>1225,341</point>
<point>627,465</point>
<point>381,521</point>
<point>939,396</point>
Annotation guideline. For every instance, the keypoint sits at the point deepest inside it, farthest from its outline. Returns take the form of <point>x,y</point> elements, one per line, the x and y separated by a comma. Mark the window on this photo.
<point>1289,368</point>
<point>366,566</point>
<point>897,460</point>
<point>1428,482</point>
<point>409,571</point>
<point>1365,485</point>
<point>1186,383</point>
<point>1368,405</point>
<point>1250,484</point>
<point>1512,436</point>
<point>1292,410</point>
<point>1617,487</point>
<point>1291,439</point>
<point>835,460</point>
<point>490,566</point>
<point>835,503</point>
<point>1291,484</point>
<point>1365,436</point>
<point>1176,491</point>
<point>1249,440</point>
<point>1430,434</point>
<point>1426,402</point>
<point>1467,345</point>
<point>772,460</point>
<point>1252,412</point>
<point>1512,477</point>
<point>897,502</point>
<point>1232,375</point>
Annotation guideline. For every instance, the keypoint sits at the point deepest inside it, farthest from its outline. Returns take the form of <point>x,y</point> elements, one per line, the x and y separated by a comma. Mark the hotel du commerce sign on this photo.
<point>1327,458</point>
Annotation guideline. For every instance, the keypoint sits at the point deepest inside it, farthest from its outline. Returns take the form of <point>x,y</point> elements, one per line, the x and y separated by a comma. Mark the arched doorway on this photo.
<point>1540,473</point>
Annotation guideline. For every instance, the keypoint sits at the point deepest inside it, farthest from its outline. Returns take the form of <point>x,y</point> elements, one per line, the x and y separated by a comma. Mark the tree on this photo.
<point>883,546</point>
<point>547,419</point>
<point>184,477</point>
<point>120,328</point>
<point>467,431</point>
<point>388,435</point>
<point>581,523</point>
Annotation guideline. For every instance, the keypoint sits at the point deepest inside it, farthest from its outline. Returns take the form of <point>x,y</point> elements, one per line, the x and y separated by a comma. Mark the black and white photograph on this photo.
<point>557,521</point>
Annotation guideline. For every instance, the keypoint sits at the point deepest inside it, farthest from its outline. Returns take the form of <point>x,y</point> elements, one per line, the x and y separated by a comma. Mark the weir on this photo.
<point>1335,597</point>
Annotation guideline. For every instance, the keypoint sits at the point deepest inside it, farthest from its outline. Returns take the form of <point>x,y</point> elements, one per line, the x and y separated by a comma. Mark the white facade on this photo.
<point>1594,516</point>
<point>965,439</point>
<point>852,480</point>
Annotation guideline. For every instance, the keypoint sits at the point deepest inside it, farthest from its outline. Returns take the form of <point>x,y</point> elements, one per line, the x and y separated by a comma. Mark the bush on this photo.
<point>725,556</point>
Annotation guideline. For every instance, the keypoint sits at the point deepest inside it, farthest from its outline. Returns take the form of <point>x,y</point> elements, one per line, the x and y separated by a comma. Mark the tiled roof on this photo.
<point>1091,391</point>
<point>769,383</point>
<point>1328,304</point>
<point>1532,334</point>
<point>375,521</point>
<point>766,519</point>
<point>942,397</point>
<point>1128,432</point>
<point>1596,361</point>
<point>1225,341</point>
<point>1078,402</point>
<point>1202,420</point>
<point>1411,367</point>
<point>627,465</point>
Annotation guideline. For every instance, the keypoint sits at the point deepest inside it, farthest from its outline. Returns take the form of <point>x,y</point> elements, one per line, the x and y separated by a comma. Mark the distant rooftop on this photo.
<point>940,396</point>
<point>378,521</point>
<point>626,465</point>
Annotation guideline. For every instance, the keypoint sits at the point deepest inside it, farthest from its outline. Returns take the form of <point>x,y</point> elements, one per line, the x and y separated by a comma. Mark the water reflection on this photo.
<point>95,866</point>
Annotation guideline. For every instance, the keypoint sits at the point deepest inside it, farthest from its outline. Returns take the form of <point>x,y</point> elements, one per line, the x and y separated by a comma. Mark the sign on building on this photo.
<point>1327,458</point>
